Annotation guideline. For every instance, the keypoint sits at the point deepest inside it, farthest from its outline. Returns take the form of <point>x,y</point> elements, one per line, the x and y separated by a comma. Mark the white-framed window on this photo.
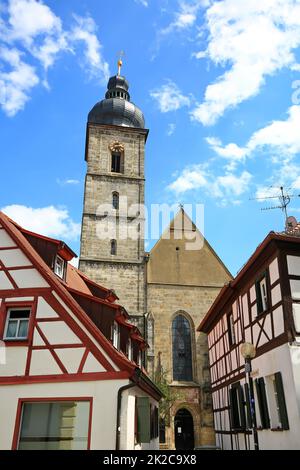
<point>116,335</point>
<point>59,266</point>
<point>276,401</point>
<point>129,349</point>
<point>140,358</point>
<point>231,332</point>
<point>17,323</point>
<point>261,294</point>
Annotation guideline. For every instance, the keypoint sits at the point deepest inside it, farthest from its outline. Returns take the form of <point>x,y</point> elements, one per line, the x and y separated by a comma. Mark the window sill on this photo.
<point>277,429</point>
<point>15,342</point>
<point>184,383</point>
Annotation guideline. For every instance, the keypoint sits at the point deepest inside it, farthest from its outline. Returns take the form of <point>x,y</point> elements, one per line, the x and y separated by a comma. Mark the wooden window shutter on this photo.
<point>281,401</point>
<point>258,298</point>
<point>262,403</point>
<point>143,411</point>
<point>241,401</point>
<point>248,405</point>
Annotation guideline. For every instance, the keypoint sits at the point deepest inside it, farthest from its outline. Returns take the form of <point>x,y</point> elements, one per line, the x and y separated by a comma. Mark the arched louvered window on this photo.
<point>113,247</point>
<point>182,349</point>
<point>115,200</point>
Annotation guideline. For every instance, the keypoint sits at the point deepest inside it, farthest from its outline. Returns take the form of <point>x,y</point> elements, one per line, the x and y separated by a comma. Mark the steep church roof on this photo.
<point>182,256</point>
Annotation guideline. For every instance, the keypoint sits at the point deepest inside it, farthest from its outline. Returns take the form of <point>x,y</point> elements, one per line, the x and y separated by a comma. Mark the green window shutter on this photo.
<point>258,298</point>
<point>281,401</point>
<point>248,405</point>
<point>262,403</point>
<point>143,416</point>
<point>241,400</point>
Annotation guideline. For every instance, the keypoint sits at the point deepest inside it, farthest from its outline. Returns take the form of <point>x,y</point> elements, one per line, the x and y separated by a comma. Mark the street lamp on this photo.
<point>248,352</point>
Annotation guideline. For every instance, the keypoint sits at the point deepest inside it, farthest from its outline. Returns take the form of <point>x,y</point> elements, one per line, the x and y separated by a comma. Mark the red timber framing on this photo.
<point>90,338</point>
<point>21,401</point>
<point>240,299</point>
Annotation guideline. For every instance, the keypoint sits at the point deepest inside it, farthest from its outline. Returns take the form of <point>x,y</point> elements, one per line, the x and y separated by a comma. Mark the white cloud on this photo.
<point>74,262</point>
<point>255,39</point>
<point>225,187</point>
<point>194,177</point>
<point>33,35</point>
<point>85,31</point>
<point>16,83</point>
<point>185,17</point>
<point>67,181</point>
<point>169,98</point>
<point>171,129</point>
<point>142,2</point>
<point>231,152</point>
<point>50,221</point>
<point>30,18</point>
<point>282,138</point>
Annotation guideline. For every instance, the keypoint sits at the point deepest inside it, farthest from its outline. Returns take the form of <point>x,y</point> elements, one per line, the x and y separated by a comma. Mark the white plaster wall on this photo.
<point>279,360</point>
<point>128,421</point>
<point>296,315</point>
<point>5,239</point>
<point>104,393</point>
<point>295,289</point>
<point>274,271</point>
<point>15,361</point>
<point>293,263</point>
<point>276,294</point>
<point>58,332</point>
<point>14,258</point>
<point>28,278</point>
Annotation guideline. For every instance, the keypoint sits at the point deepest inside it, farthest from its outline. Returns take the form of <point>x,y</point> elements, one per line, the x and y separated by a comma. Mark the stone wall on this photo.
<point>164,301</point>
<point>123,271</point>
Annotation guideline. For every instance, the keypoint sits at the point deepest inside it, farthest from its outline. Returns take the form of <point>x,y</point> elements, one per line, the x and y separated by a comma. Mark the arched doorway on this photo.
<point>184,430</point>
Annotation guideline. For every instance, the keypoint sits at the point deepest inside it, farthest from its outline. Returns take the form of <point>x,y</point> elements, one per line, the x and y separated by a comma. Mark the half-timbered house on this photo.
<point>71,374</point>
<point>260,306</point>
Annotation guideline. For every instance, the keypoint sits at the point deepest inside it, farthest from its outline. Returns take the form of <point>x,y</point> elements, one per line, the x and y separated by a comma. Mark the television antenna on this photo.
<point>284,199</point>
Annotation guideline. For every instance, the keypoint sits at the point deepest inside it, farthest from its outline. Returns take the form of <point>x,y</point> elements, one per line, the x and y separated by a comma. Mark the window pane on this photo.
<point>17,314</point>
<point>54,426</point>
<point>11,329</point>
<point>182,350</point>
<point>23,329</point>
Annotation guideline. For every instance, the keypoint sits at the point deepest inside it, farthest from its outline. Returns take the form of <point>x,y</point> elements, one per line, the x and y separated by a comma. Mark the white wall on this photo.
<point>279,360</point>
<point>104,394</point>
<point>128,421</point>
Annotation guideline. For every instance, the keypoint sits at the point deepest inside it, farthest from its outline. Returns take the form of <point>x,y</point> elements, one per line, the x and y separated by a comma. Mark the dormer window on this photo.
<point>59,266</point>
<point>129,349</point>
<point>140,359</point>
<point>116,335</point>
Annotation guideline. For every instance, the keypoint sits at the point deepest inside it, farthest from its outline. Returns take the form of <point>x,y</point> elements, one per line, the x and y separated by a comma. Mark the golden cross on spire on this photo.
<point>120,62</point>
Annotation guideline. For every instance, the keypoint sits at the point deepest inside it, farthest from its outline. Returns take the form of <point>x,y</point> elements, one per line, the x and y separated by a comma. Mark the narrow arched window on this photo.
<point>116,162</point>
<point>115,200</point>
<point>182,349</point>
<point>113,247</point>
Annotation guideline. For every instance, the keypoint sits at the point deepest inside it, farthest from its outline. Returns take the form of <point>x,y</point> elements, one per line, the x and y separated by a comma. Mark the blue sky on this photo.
<point>218,82</point>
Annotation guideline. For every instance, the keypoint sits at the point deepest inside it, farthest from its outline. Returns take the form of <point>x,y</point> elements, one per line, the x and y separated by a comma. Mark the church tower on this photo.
<point>112,237</point>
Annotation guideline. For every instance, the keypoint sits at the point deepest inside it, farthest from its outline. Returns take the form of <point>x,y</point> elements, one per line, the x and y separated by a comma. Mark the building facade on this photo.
<point>261,307</point>
<point>166,291</point>
<point>71,375</point>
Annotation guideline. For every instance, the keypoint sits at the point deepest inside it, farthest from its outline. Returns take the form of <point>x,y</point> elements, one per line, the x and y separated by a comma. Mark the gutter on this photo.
<point>135,378</point>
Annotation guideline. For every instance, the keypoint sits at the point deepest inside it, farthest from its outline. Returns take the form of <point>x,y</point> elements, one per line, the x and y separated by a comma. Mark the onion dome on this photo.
<point>117,109</point>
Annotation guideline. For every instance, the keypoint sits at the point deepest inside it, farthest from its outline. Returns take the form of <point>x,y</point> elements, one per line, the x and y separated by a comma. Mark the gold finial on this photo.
<point>120,62</point>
